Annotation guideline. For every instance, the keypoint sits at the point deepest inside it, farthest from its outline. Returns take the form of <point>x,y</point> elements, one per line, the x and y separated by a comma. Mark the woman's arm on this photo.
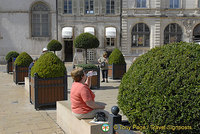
<point>88,81</point>
<point>94,105</point>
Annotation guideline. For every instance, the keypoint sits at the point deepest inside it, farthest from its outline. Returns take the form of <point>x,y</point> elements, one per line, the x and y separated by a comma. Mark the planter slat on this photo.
<point>9,66</point>
<point>47,92</point>
<point>116,71</point>
<point>19,73</point>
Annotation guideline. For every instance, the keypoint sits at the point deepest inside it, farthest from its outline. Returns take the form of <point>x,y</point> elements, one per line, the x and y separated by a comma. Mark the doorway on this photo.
<point>68,50</point>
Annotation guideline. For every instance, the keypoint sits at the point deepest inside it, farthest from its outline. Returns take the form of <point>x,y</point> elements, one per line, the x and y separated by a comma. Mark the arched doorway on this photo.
<point>196,33</point>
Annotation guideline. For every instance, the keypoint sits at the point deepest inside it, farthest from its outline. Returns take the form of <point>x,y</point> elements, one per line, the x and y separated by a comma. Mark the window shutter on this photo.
<point>82,7</point>
<point>74,5</point>
<point>60,6</point>
<point>117,7</point>
<point>96,7</point>
<point>103,11</point>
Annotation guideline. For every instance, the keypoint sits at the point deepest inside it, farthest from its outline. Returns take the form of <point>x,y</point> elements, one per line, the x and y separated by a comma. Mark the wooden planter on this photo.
<point>19,73</point>
<point>95,80</point>
<point>10,66</point>
<point>116,71</point>
<point>45,92</point>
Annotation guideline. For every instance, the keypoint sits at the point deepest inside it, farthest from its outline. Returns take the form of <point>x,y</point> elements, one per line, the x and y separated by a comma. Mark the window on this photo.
<point>68,6</point>
<point>141,3</point>
<point>172,33</point>
<point>110,36</point>
<point>174,4</point>
<point>196,33</point>
<point>140,35</point>
<point>89,6</point>
<point>198,3</point>
<point>40,20</point>
<point>110,6</point>
<point>90,55</point>
<point>110,41</point>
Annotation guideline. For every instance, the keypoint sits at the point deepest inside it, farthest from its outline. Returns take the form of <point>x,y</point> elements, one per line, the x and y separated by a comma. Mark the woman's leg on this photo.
<point>106,75</point>
<point>91,114</point>
<point>103,75</point>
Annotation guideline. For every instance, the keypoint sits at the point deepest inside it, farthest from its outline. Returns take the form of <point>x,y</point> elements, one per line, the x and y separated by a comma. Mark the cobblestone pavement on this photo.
<point>18,116</point>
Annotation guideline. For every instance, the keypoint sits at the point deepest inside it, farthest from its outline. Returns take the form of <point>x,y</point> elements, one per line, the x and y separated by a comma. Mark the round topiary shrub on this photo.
<point>11,54</point>
<point>86,41</point>
<point>116,57</point>
<point>161,90</point>
<point>54,45</point>
<point>48,66</point>
<point>23,60</point>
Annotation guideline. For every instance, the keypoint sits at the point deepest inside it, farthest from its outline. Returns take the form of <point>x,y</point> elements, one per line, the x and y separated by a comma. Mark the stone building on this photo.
<point>150,23</point>
<point>26,25</point>
<point>98,17</point>
<point>133,26</point>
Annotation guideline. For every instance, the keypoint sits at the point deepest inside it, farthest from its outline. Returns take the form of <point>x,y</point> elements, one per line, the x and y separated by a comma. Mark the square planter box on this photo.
<point>116,71</point>
<point>10,66</point>
<point>45,92</point>
<point>19,73</point>
<point>95,80</point>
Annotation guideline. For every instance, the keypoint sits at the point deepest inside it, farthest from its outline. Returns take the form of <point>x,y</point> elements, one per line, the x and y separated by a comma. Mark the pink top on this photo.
<point>80,94</point>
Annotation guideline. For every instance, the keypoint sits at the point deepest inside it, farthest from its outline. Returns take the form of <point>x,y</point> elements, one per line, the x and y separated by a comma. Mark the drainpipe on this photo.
<point>56,19</point>
<point>120,38</point>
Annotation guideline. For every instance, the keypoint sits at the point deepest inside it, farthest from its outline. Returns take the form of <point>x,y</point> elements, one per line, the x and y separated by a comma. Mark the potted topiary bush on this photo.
<point>10,60</point>
<point>86,41</point>
<point>117,64</point>
<point>95,80</point>
<point>48,81</point>
<point>161,90</point>
<point>54,45</point>
<point>21,65</point>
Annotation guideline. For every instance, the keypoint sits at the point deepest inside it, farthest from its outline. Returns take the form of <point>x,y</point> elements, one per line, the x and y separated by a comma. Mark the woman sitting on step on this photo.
<point>83,104</point>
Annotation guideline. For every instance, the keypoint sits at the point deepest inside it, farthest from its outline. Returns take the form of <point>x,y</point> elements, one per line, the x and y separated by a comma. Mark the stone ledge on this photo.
<point>71,125</point>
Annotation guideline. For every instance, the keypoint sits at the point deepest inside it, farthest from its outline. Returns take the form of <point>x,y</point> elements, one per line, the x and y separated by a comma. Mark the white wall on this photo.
<point>15,31</point>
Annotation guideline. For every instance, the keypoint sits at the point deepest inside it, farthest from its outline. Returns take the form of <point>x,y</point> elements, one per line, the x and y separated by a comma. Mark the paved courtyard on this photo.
<point>17,115</point>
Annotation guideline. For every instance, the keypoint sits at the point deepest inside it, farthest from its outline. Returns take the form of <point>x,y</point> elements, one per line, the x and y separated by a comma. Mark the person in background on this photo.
<point>82,98</point>
<point>44,50</point>
<point>31,65</point>
<point>105,68</point>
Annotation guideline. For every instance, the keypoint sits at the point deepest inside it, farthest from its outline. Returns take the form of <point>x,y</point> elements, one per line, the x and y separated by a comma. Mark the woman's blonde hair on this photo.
<point>77,74</point>
<point>105,54</point>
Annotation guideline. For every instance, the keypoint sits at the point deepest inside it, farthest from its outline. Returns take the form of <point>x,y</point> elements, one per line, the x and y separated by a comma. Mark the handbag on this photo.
<point>103,64</point>
<point>100,116</point>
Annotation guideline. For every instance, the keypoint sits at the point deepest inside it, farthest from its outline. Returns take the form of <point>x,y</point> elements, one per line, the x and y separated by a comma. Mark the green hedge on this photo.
<point>162,88</point>
<point>86,41</point>
<point>23,60</point>
<point>116,57</point>
<point>11,54</point>
<point>54,45</point>
<point>87,66</point>
<point>48,66</point>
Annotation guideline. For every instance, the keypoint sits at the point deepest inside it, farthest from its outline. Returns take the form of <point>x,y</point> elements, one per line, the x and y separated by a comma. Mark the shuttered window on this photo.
<point>89,6</point>
<point>110,6</point>
<point>68,6</point>
<point>40,20</point>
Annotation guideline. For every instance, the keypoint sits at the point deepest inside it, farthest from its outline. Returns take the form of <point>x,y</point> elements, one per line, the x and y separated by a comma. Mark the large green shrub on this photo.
<point>116,57</point>
<point>54,45</point>
<point>87,66</point>
<point>23,60</point>
<point>48,66</point>
<point>86,41</point>
<point>162,88</point>
<point>11,54</point>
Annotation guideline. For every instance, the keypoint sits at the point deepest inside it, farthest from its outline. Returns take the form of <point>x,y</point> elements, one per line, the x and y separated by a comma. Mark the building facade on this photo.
<point>26,26</point>
<point>150,23</point>
<point>133,26</point>
<point>98,17</point>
